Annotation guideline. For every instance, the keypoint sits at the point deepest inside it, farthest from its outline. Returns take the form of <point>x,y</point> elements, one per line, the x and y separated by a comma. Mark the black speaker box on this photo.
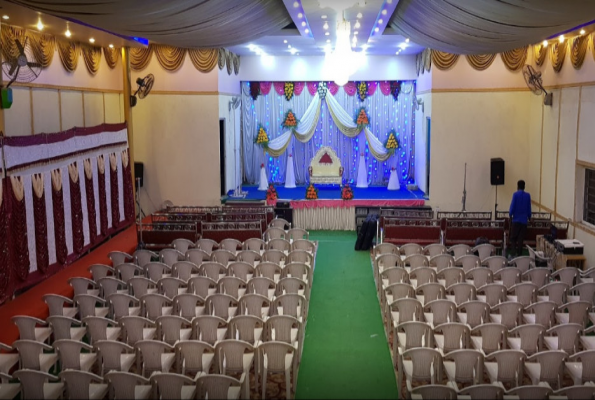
<point>139,169</point>
<point>497,171</point>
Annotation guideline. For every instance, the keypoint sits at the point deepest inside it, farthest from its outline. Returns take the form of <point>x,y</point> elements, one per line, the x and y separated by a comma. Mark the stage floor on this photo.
<point>333,193</point>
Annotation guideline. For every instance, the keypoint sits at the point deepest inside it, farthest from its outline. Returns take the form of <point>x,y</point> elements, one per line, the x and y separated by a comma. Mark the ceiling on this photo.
<point>307,35</point>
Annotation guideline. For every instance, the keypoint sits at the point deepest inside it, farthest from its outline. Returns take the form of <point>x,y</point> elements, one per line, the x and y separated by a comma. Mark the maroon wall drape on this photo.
<point>91,208</point>
<point>5,273</point>
<point>115,197</point>
<point>102,203</point>
<point>41,232</point>
<point>78,238</point>
<point>19,255</point>
<point>59,225</point>
<point>128,193</point>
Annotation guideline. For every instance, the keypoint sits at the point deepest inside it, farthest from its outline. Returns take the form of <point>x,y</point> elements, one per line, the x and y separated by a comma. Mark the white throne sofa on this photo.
<point>326,167</point>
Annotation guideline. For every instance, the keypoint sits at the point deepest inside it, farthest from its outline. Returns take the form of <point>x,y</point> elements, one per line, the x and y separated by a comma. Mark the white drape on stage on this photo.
<point>362,173</point>
<point>290,175</point>
<point>393,181</point>
<point>264,182</point>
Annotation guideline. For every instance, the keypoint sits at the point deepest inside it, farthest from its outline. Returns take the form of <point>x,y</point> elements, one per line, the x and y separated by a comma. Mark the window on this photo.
<point>589,204</point>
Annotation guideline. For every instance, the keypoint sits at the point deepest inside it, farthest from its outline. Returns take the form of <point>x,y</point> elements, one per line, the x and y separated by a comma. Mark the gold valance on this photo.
<point>558,55</point>
<point>111,56</point>
<point>204,59</point>
<point>481,61</point>
<point>69,54</point>
<point>515,59</point>
<point>578,50</point>
<point>92,58</point>
<point>444,60</point>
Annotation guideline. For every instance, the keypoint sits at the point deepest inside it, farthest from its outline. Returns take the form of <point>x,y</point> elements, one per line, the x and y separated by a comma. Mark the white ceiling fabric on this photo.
<point>487,26</point>
<point>181,23</point>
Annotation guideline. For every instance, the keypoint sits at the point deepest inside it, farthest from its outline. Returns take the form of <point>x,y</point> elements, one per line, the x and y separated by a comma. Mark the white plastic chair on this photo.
<point>157,270</point>
<point>141,286</point>
<point>523,263</point>
<point>99,328</point>
<point>554,291</point>
<point>415,260</point>
<point>122,305</point>
<point>484,250</point>
<point>221,305</point>
<point>495,263</point>
<point>69,353</point>
<point>278,357</point>
<point>450,276</point>
<point>479,276</point>
<point>173,328</point>
<point>236,356</point>
<point>249,257</point>
<point>581,367</point>
<point>459,250</point>
<point>568,275</point>
<point>409,335</point>
<point>492,293</point>
<point>298,270</point>
<point>269,270</point>
<point>578,312</point>
<point>587,340</point>
<point>170,287</point>
<point>254,244</point>
<point>421,275</point>
<point>468,262</point>
<point>442,261</point>
<point>173,386</point>
<point>524,292</point>
<point>66,328</point>
<point>143,257</point>
<point>528,338</point>
<point>188,305</point>
<point>434,392</point>
<point>243,270</point>
<point>214,270</point>
<point>182,245</point>
<point>483,391</point>
<point>233,286</point>
<point>256,305</point>
<point>461,292</point>
<point>548,367</point>
<point>529,392</point>
<point>290,304</point>
<point>419,364</point>
<point>99,271</point>
<point>209,328</point>
<point>37,385</point>
<point>438,312</point>
<point>8,390</point>
<point>434,249</point>
<point>507,367</point>
<point>300,256</point>
<point>155,305</point>
<point>274,256</point>
<point>297,234</point>
<point>223,256</point>
<point>193,357</point>
<point>136,328</point>
<point>202,286</point>
<point>538,276</point>
<point>197,256</point>
<point>219,386</point>
<point>56,303</point>
<point>508,277</point>
<point>582,292</point>
<point>492,337</point>
<point>410,249</point>
<point>31,328</point>
<point>586,391</point>
<point>127,271</point>
<point>279,244</point>
<point>454,336</point>
<point>207,245</point>
<point>87,306</point>
<point>125,385</point>
<point>563,337</point>
<point>81,285</point>
<point>463,366</point>
<point>154,356</point>
<point>79,385</point>
<point>473,313</point>
<point>306,244</point>
<point>119,257</point>
<point>171,256</point>
<point>231,245</point>
<point>263,286</point>
<point>185,270</point>
<point>110,285</point>
<point>510,314</point>
<point>542,313</point>
<point>114,356</point>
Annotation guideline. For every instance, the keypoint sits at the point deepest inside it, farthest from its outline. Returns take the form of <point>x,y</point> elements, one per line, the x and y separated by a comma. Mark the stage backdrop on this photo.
<point>389,106</point>
<point>61,194</point>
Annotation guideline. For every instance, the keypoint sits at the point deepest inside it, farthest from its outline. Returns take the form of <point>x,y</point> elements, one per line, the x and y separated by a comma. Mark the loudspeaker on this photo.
<point>139,169</point>
<point>497,171</point>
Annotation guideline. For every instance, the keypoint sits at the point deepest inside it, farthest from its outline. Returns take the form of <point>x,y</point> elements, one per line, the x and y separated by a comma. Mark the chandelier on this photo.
<point>342,62</point>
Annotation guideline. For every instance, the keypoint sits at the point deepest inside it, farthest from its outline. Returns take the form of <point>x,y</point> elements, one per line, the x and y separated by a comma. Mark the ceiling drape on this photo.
<point>180,23</point>
<point>486,26</point>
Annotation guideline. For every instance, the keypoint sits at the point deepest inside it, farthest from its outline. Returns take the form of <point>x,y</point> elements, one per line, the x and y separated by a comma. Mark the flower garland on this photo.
<point>395,89</point>
<point>271,195</point>
<point>347,192</point>
<point>290,121</point>
<point>362,90</point>
<point>262,139</point>
<point>289,87</point>
<point>391,143</point>
<point>254,90</point>
<point>311,192</point>
<point>362,119</point>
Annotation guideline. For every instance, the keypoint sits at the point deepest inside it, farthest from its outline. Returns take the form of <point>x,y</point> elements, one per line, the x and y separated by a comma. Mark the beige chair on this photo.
<point>463,366</point>
<point>32,356</point>
<point>484,250</point>
<point>528,338</point>
<point>523,263</point>
<point>218,387</point>
<point>82,285</point>
<point>214,270</point>
<point>69,353</point>
<point>280,223</point>
<point>434,392</point>
<point>66,328</point>
<point>249,256</point>
<point>554,291</point>
<point>88,306</point>
<point>269,270</point>
<point>582,292</point>
<point>450,275</point>
<point>506,368</point>
<point>581,392</point>
<point>419,365</point>
<point>157,270</point>
<point>231,245</point>
<point>451,336</point>
<point>56,306</point>
<point>232,286</point>
<point>173,328</point>
<point>202,286</point>
<point>110,285</point>
<point>473,313</point>
<point>171,256</point>
<point>31,328</point>
<point>508,313</point>
<point>188,305</point>
<point>155,305</point>
<point>99,271</point>
<point>563,337</point>
<point>79,385</point>
<point>415,260</point>
<point>207,245</point>
<point>223,256</point>
<point>194,357</point>
<point>440,311</point>
<point>125,385</point>
<point>577,312</point>
<point>136,328</point>
<point>568,275</point>
<point>442,261</point>
<point>278,357</point>
<point>114,356</point>
<point>468,262</point>
<point>410,249</point>
<point>274,233</point>
<point>479,276</point>
<point>8,358</point>
<point>254,244</point>
<point>185,270</point>
<point>290,304</point>
<point>243,270</point>
<point>283,328</point>
<point>429,292</point>
<point>461,292</point>
<point>483,391</point>
<point>125,272</point>
<point>298,234</point>
<point>548,367</point>
<point>495,263</point>
<point>8,390</point>
<point>263,286</point>
<point>173,386</point>
<point>247,328</point>
<point>524,293</point>
<point>305,244</point>
<point>119,257</point>
<point>540,391</point>
<point>182,245</point>
<point>459,250</point>
<point>491,338</point>
<point>38,385</point>
<point>538,276</point>
<point>123,305</point>
<point>236,356</point>
<point>274,256</point>
<point>143,257</point>
<point>209,328</point>
<point>99,328</point>
<point>279,244</point>
<point>141,286</point>
<point>541,313</point>
<point>154,356</point>
<point>409,335</point>
<point>221,305</point>
<point>170,287</point>
<point>434,250</point>
<point>581,367</point>
<point>197,256</point>
<point>492,293</point>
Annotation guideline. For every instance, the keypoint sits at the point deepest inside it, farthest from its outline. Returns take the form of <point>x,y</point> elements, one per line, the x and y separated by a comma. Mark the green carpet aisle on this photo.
<point>345,351</point>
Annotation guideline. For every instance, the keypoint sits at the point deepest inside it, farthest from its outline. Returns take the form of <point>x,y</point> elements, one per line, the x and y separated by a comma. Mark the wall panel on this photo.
<point>567,151</point>
<point>17,119</point>
<point>93,103</point>
<point>551,117</point>
<point>46,110</point>
<point>586,138</point>
<point>112,108</point>
<point>72,109</point>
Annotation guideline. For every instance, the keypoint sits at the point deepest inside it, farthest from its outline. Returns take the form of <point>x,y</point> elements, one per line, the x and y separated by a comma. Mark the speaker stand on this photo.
<point>139,216</point>
<point>496,204</point>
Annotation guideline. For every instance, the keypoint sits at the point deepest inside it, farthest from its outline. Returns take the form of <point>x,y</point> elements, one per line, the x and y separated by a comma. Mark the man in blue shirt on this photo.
<point>520,213</point>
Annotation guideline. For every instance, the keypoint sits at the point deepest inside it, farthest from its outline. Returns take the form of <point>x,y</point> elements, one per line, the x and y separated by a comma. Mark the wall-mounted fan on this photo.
<point>144,88</point>
<point>535,83</point>
<point>21,68</point>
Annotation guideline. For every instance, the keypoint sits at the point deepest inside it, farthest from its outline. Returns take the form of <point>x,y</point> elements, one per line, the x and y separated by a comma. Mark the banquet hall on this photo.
<point>297,199</point>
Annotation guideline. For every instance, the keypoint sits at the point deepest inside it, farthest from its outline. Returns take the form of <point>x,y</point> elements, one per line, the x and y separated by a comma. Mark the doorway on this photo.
<point>222,155</point>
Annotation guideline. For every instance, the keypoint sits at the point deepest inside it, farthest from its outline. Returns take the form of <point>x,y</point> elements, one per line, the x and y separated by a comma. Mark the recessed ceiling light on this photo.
<point>285,41</point>
<point>380,21</point>
<point>325,26</point>
<point>389,1</point>
<point>376,29</point>
<point>323,16</point>
<point>357,25</point>
<point>67,33</point>
<point>300,15</point>
<point>39,25</point>
<point>111,46</point>
<point>384,12</point>
<point>296,4</point>
<point>403,45</point>
<point>293,51</point>
<point>326,33</point>
<point>397,52</point>
<point>407,40</point>
<point>545,43</point>
<point>561,38</point>
<point>582,31</point>
<point>328,40</point>
<point>355,33</point>
<point>5,17</point>
<point>289,46</point>
<point>307,31</point>
<point>359,15</point>
<point>92,40</point>
<point>303,23</point>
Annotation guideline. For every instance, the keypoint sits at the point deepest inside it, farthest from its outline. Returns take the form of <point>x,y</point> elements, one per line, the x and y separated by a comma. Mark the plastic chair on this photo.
<point>202,286</point>
<point>510,314</point>
<point>483,391</point>
<point>38,385</point>
<point>587,340</point>
<point>87,303</point>
<point>585,290</point>
<point>141,286</point>
<point>155,305</point>
<point>209,328</point>
<point>283,328</point>
<point>31,328</point>
<point>114,356</point>
<point>171,256</point>
<point>127,271</point>
<point>194,357</point>
<point>419,364</point>
<point>492,337</point>
<point>69,353</point>
<point>263,286</point>
<point>143,257</point>
<point>568,275</point>
<point>99,271</point>
<point>524,292</point>
<point>484,250</point>
<point>479,276</point>
<point>82,285</point>
<point>293,285</point>
<point>110,285</point>
<point>543,313</point>
<point>278,357</point>
<point>185,270</point>
<point>274,233</point>
<point>290,304</point>
<point>207,245</point>
<point>8,390</point>
<point>473,312</point>
<point>223,256</point>
<point>455,336</point>
<point>393,275</point>
<point>414,261</point>
<point>507,368</point>
<point>170,287</point>
<point>522,263</point>
<point>122,305</point>
<point>182,245</point>
<point>236,356</point>
<point>554,291</point>
<point>508,276</point>
<point>243,270</point>
<point>468,262</point>
<point>231,245</point>
<point>233,286</point>
<point>221,305</point>
<point>279,244</point>
<point>394,292</point>
<point>528,338</point>
<point>582,392</point>
<point>297,234</point>
<point>422,275</point>
<point>154,356</point>
<point>269,270</point>
<point>214,270</point>
<point>254,244</point>
<point>434,249</point>
<point>495,263</point>
<point>442,261</point>
<point>173,386</point>
<point>450,275</point>
<point>66,328</point>
<point>8,359</point>
<point>124,385</point>
<point>56,303</point>
<point>409,335</point>
<point>99,328</point>
<point>435,392</point>
<point>298,270</point>
<point>173,328</point>
<point>218,386</point>
<point>538,276</point>
<point>438,312</point>
<point>492,293</point>
<point>274,256</point>
<point>300,256</point>
<point>578,313</point>
<point>280,223</point>
<point>306,244</point>
<point>463,366</point>
<point>563,337</point>
<point>188,305</point>
<point>135,329</point>
<point>547,368</point>
<point>430,291</point>
<point>247,328</point>
<point>410,249</point>
<point>119,257</point>
<point>459,250</point>
<point>581,367</point>
<point>197,256</point>
<point>530,392</point>
<point>461,292</point>
<point>249,257</point>
<point>157,270</point>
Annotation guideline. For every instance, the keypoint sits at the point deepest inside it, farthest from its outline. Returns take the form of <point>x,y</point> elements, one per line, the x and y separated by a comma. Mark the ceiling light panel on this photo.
<point>299,16</point>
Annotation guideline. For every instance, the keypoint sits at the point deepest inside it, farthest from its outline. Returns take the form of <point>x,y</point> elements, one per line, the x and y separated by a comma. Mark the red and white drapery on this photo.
<point>61,194</point>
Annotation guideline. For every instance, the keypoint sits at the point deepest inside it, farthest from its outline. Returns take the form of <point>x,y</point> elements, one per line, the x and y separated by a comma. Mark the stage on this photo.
<point>329,211</point>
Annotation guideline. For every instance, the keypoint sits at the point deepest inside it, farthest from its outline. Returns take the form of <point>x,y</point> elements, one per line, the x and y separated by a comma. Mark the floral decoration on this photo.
<point>311,192</point>
<point>262,138</point>
<point>347,192</point>
<point>362,119</point>
<point>392,143</point>
<point>290,121</point>
<point>254,90</point>
<point>362,90</point>
<point>395,89</point>
<point>289,87</point>
<point>271,195</point>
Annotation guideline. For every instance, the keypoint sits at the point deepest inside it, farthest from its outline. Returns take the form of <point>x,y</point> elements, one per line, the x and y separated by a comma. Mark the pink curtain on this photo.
<point>298,87</point>
<point>372,86</point>
<point>333,88</point>
<point>312,87</point>
<point>102,204</point>
<point>128,194</point>
<point>385,87</point>
<point>265,88</point>
<point>280,88</point>
<point>59,225</point>
<point>5,275</point>
<point>19,256</point>
<point>115,198</point>
<point>91,209</point>
<point>41,232</point>
<point>78,238</point>
<point>350,88</point>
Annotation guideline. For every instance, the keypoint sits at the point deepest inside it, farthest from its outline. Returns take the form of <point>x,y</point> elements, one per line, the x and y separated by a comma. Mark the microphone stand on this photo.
<point>141,244</point>
<point>465,189</point>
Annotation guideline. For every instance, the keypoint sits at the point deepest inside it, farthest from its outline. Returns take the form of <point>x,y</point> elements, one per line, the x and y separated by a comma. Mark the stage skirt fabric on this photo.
<point>325,218</point>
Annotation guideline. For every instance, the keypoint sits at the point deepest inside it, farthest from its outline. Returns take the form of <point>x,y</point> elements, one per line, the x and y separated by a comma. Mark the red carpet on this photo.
<point>31,302</point>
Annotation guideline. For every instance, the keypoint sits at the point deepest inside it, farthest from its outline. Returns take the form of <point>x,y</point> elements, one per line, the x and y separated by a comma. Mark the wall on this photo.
<point>58,100</point>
